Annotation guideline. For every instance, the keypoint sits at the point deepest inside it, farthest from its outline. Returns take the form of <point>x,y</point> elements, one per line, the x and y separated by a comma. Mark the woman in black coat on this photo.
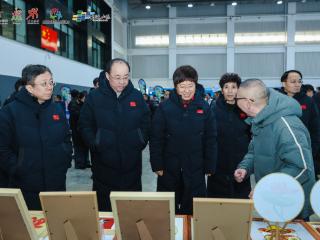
<point>233,140</point>
<point>183,141</point>
<point>35,147</point>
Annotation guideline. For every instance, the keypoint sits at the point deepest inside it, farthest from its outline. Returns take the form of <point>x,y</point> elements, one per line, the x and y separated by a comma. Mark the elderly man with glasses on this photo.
<point>114,123</point>
<point>280,141</point>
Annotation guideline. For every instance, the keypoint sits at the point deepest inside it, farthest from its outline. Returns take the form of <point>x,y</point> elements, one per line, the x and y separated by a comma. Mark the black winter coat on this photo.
<point>183,145</point>
<point>116,130</point>
<point>233,136</point>
<point>35,146</point>
<point>310,118</point>
<point>233,141</point>
<point>74,108</point>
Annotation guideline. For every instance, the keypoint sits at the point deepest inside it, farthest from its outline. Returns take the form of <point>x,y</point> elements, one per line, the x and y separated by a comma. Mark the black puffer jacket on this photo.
<point>116,130</point>
<point>233,141</point>
<point>35,146</point>
<point>183,145</point>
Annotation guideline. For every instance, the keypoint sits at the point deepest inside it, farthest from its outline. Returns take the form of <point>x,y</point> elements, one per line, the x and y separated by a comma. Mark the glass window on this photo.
<point>21,31</point>
<point>98,53</point>
<point>7,30</point>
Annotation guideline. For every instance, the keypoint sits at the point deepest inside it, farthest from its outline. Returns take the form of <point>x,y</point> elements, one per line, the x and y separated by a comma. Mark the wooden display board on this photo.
<point>144,215</point>
<point>71,215</point>
<point>221,219</point>
<point>15,220</point>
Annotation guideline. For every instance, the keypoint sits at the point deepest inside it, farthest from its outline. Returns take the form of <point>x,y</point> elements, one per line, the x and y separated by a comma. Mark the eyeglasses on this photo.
<point>119,78</point>
<point>240,98</point>
<point>50,83</point>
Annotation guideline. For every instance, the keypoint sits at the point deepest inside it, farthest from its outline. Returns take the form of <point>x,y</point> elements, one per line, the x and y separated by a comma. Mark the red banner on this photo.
<point>49,38</point>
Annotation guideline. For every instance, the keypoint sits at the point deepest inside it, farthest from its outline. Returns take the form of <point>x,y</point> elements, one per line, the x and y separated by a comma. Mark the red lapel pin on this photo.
<point>55,117</point>
<point>133,104</point>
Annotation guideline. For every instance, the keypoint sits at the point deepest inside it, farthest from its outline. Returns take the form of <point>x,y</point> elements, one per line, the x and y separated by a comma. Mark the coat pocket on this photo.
<point>105,139</point>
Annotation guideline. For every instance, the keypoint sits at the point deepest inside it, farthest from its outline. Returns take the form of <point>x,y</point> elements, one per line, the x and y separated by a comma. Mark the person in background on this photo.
<point>35,146</point>
<point>280,142</point>
<point>292,81</point>
<point>183,143</point>
<point>95,83</point>
<point>233,140</point>
<point>309,90</point>
<point>208,98</point>
<point>81,151</point>
<point>166,94</point>
<point>154,104</point>
<point>17,87</point>
<point>115,124</point>
<point>57,98</point>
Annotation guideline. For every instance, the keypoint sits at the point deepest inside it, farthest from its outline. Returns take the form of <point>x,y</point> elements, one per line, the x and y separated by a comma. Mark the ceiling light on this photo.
<point>303,1</point>
<point>190,5</point>
<point>148,7</point>
<point>279,2</point>
<point>234,4</point>
<point>212,4</point>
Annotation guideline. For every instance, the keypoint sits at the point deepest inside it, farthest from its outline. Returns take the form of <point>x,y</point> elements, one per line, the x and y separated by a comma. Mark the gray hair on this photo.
<point>260,92</point>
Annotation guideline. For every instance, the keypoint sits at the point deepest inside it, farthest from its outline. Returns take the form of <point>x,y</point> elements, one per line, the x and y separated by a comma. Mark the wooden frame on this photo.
<point>15,220</point>
<point>71,215</point>
<point>221,219</point>
<point>152,213</point>
<point>309,226</point>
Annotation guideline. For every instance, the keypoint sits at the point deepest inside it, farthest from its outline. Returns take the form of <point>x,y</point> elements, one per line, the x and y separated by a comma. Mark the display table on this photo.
<point>297,230</point>
<point>106,219</point>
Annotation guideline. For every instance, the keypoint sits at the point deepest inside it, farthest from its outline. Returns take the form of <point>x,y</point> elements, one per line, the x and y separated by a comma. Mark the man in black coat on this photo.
<point>35,146</point>
<point>292,83</point>
<point>115,122</point>
<point>183,144</point>
<point>81,151</point>
<point>17,87</point>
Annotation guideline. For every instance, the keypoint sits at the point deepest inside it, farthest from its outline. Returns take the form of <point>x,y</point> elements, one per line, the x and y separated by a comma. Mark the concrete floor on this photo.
<point>80,180</point>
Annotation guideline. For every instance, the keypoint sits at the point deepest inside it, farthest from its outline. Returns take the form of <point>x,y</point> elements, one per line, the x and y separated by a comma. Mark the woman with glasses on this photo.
<point>233,140</point>
<point>183,141</point>
<point>35,147</point>
<point>292,86</point>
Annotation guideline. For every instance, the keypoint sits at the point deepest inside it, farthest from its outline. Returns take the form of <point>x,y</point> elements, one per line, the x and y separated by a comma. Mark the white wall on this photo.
<point>267,62</point>
<point>14,56</point>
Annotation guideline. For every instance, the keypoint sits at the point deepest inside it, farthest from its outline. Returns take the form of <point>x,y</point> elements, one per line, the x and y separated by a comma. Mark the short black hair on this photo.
<point>183,73</point>
<point>83,94</point>
<point>19,83</point>
<point>31,71</point>
<point>308,87</point>
<point>95,81</point>
<point>285,74</point>
<point>74,93</point>
<point>115,60</point>
<point>230,77</point>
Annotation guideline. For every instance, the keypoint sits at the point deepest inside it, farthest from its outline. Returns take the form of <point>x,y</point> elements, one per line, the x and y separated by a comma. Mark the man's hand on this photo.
<point>240,174</point>
<point>159,173</point>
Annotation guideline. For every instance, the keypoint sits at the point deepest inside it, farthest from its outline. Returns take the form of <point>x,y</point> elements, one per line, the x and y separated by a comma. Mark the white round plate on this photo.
<point>315,198</point>
<point>278,197</point>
